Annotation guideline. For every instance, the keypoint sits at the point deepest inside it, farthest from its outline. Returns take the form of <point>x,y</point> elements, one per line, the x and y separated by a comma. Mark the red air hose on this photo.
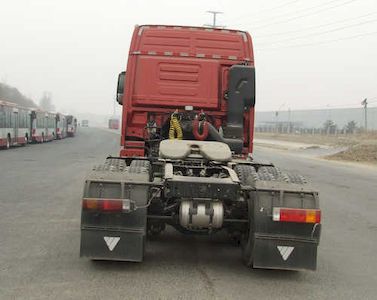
<point>195,130</point>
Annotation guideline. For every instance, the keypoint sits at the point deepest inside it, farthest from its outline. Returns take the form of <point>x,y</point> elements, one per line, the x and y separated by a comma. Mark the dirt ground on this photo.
<point>361,147</point>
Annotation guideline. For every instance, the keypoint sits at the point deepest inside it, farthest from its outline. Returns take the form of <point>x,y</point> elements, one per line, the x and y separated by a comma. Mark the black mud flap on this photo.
<point>281,244</point>
<point>274,252</point>
<point>124,245</point>
<point>118,234</point>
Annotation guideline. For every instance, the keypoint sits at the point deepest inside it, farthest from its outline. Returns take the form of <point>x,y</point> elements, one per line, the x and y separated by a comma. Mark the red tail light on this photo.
<point>298,215</point>
<point>107,205</point>
<point>112,205</point>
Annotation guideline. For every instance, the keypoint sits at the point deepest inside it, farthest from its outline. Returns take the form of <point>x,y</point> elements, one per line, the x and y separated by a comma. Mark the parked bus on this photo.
<point>43,126</point>
<point>21,125</point>
<point>71,125</point>
<point>114,123</point>
<point>61,126</point>
<point>14,125</point>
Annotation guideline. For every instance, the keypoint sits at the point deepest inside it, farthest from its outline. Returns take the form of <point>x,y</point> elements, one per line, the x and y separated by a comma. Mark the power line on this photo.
<point>323,42</point>
<point>303,15</point>
<point>305,9</point>
<point>313,27</point>
<point>323,32</point>
<point>264,10</point>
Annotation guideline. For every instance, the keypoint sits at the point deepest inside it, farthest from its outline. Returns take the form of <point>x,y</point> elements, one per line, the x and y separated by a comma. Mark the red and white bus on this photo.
<point>61,126</point>
<point>43,125</point>
<point>14,125</point>
<point>71,125</point>
<point>21,125</point>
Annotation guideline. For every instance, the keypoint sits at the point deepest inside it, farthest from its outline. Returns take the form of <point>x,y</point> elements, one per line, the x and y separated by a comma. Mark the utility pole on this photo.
<point>214,13</point>
<point>365,104</point>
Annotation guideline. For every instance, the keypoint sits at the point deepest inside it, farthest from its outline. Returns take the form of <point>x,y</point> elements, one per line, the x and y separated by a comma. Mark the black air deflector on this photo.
<point>241,93</point>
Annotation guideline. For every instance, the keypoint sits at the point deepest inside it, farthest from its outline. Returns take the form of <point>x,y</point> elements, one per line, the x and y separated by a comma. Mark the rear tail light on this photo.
<point>298,215</point>
<point>106,205</point>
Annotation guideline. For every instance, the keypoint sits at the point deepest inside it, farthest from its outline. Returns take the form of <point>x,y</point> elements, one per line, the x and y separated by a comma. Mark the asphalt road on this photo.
<point>40,190</point>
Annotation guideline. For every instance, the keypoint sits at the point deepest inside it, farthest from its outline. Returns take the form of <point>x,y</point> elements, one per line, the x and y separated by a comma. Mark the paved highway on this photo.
<point>40,189</point>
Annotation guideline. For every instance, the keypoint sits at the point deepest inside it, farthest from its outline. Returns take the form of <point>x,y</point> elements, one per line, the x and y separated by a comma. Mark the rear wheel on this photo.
<point>269,173</point>
<point>247,242</point>
<point>140,166</point>
<point>247,176</point>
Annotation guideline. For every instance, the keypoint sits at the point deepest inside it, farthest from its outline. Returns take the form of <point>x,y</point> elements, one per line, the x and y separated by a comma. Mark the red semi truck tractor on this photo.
<point>186,157</point>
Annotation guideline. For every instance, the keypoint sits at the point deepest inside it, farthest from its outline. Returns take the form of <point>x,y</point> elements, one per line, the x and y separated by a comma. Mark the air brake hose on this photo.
<point>195,130</point>
<point>175,128</point>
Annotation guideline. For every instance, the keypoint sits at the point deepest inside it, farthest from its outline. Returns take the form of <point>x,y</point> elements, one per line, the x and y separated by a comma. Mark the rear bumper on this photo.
<point>286,253</point>
<point>108,244</point>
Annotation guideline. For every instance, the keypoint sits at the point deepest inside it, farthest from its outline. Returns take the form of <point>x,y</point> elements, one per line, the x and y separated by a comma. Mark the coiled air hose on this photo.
<point>175,130</point>
<point>195,129</point>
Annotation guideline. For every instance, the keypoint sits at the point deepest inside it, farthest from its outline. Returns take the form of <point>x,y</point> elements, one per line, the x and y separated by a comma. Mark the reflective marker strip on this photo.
<point>185,54</point>
<point>111,241</point>
<point>285,251</point>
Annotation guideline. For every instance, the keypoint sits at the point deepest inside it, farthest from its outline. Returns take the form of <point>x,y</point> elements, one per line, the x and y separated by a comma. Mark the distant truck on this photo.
<point>114,124</point>
<point>84,123</point>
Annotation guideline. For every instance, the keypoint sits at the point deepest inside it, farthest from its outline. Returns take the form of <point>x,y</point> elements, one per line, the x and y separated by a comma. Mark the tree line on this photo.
<point>12,94</point>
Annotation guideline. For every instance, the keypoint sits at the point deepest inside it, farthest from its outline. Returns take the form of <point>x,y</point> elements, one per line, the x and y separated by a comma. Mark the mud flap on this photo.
<point>283,245</point>
<point>274,252</point>
<point>120,234</point>
<point>122,245</point>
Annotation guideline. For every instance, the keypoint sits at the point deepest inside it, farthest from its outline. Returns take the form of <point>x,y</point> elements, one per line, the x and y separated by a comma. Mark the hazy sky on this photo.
<point>309,54</point>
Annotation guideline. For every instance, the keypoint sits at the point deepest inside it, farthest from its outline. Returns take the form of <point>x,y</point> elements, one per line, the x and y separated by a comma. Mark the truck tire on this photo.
<point>269,173</point>
<point>247,242</point>
<point>137,163</point>
<point>114,164</point>
<point>139,166</point>
<point>296,178</point>
<point>246,174</point>
<point>272,173</point>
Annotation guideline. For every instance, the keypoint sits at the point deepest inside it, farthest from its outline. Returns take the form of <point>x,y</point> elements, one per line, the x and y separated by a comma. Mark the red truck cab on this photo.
<point>178,68</point>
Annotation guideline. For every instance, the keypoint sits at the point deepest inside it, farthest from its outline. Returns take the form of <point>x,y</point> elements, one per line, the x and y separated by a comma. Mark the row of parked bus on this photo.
<point>20,125</point>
